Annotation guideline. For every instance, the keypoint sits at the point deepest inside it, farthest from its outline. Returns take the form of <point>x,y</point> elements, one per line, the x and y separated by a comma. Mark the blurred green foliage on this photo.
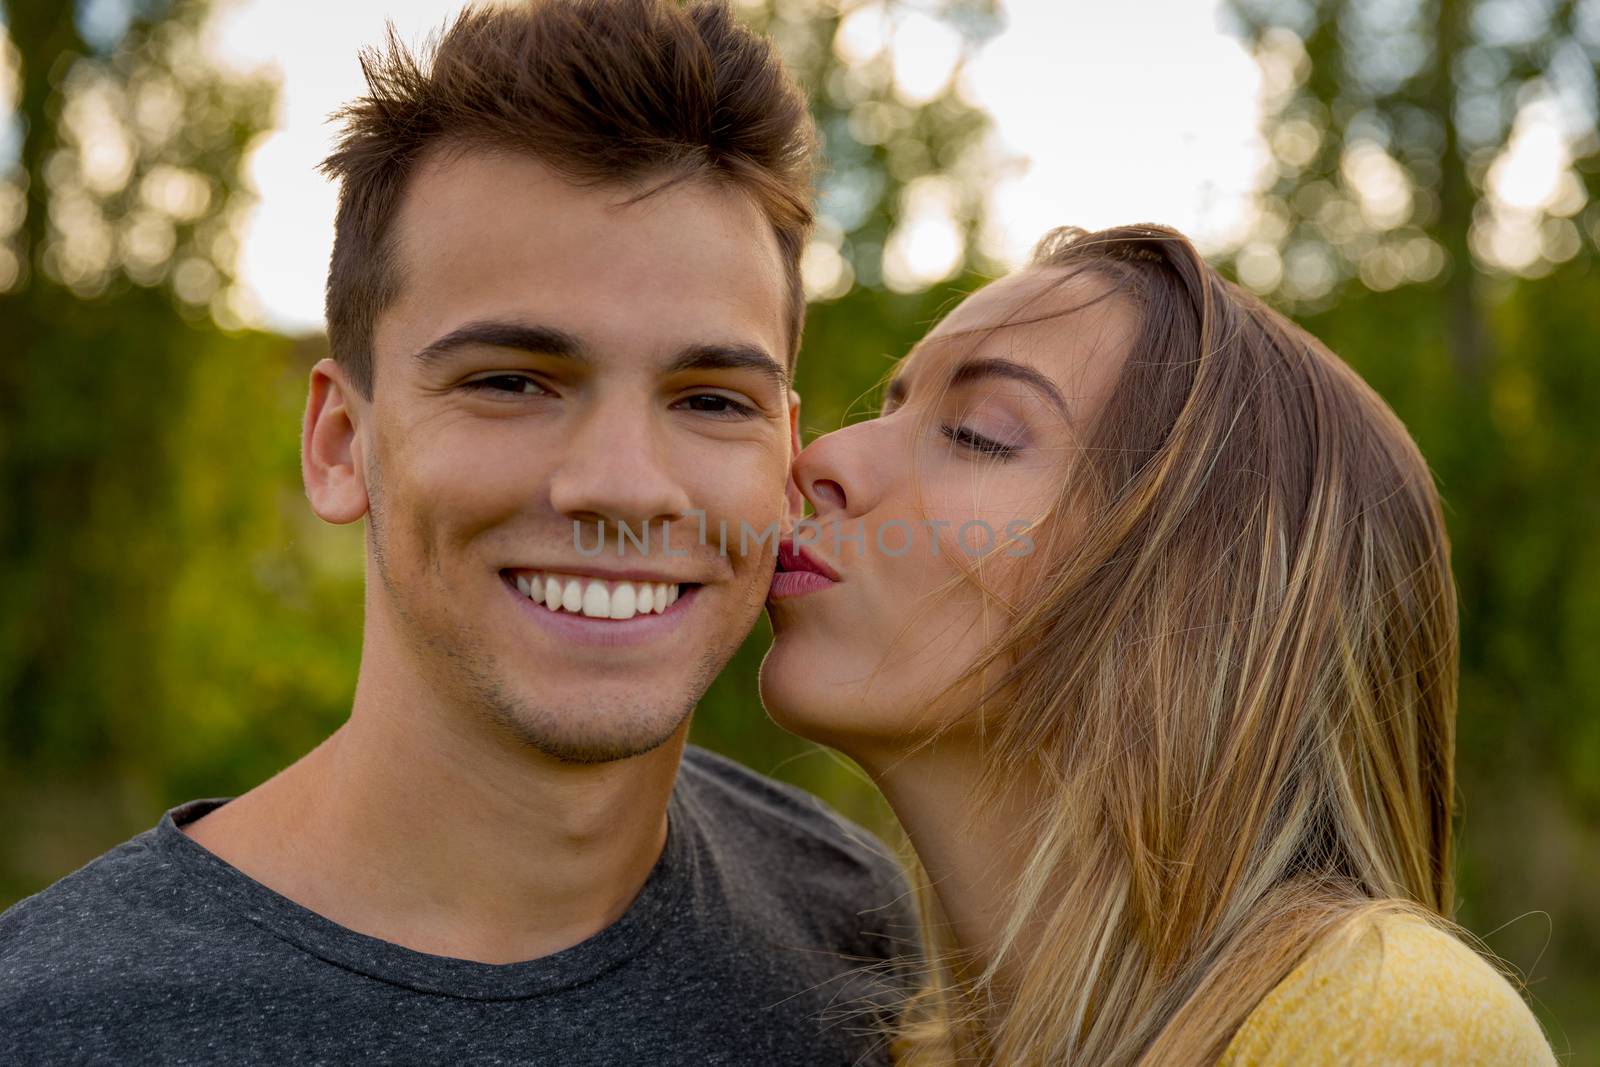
<point>176,623</point>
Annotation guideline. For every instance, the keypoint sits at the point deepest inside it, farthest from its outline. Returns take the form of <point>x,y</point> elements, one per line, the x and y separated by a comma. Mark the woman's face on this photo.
<point>976,435</point>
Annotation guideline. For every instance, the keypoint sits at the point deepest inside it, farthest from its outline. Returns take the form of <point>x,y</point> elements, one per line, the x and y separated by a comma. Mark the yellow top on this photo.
<point>1404,993</point>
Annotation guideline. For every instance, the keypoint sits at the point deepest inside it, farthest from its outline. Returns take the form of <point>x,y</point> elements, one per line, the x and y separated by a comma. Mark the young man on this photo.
<point>564,296</point>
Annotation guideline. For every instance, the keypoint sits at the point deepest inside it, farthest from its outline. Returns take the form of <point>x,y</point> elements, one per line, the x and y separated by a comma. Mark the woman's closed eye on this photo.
<point>977,442</point>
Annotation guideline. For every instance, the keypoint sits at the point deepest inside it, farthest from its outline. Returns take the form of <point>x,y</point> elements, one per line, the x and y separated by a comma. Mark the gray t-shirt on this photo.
<point>760,937</point>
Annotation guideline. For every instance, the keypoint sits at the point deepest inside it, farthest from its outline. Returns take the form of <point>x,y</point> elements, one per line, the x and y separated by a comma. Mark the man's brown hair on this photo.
<point>603,91</point>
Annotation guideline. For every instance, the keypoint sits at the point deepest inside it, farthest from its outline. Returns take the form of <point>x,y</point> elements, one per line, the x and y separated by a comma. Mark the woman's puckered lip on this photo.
<point>792,557</point>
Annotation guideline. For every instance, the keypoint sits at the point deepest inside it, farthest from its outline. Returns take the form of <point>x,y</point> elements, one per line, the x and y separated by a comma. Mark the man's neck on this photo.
<point>443,835</point>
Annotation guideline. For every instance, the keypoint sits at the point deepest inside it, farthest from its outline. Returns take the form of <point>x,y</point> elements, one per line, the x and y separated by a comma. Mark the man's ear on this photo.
<point>796,499</point>
<point>330,447</point>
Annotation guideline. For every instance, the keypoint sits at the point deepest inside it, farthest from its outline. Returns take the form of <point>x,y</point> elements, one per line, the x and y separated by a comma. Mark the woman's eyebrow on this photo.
<point>992,367</point>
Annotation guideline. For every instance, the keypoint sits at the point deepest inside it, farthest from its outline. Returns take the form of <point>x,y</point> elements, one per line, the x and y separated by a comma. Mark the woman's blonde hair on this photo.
<point>1236,676</point>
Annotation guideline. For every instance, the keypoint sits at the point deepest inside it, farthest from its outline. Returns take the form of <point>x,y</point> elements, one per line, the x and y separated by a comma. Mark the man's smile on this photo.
<point>595,597</point>
<point>599,611</point>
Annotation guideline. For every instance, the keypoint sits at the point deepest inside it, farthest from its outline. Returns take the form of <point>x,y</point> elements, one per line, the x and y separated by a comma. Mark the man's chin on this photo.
<point>590,735</point>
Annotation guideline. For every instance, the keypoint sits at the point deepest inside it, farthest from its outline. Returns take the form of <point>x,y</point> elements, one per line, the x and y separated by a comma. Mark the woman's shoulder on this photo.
<point>1394,989</point>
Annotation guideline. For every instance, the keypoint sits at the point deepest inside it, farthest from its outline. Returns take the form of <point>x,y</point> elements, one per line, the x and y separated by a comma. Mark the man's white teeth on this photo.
<point>623,601</point>
<point>596,601</point>
<point>596,598</point>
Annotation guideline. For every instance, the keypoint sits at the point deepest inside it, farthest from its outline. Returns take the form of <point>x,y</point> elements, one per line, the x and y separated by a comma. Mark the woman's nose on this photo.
<point>839,472</point>
<point>826,490</point>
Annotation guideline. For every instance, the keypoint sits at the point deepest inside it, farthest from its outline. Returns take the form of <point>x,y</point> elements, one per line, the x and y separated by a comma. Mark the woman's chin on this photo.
<point>791,699</point>
<point>800,697</point>
<point>817,688</point>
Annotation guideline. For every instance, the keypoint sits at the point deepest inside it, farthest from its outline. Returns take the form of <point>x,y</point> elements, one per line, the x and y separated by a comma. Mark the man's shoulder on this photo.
<point>797,861</point>
<point>783,816</point>
<point>132,908</point>
<point>793,835</point>
<point>75,910</point>
<point>80,944</point>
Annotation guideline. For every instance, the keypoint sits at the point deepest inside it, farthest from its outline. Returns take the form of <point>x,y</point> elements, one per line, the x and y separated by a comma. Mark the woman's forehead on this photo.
<point>1057,319</point>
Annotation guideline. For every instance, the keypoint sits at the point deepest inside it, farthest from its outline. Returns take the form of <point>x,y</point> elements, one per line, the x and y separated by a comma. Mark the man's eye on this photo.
<point>717,404</point>
<point>509,384</point>
<point>977,442</point>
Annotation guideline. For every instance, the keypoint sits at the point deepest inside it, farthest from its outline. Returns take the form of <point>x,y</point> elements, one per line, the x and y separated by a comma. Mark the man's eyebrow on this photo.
<point>545,340</point>
<point>974,369</point>
<point>550,341</point>
<point>730,357</point>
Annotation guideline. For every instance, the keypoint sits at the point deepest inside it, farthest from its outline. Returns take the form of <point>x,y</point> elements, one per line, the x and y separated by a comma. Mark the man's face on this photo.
<point>557,355</point>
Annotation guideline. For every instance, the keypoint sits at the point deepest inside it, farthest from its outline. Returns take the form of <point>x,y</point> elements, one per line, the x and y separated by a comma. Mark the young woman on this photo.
<point>1135,601</point>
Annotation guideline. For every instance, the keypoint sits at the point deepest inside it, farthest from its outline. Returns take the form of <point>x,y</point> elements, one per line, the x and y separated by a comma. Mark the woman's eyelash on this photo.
<point>977,442</point>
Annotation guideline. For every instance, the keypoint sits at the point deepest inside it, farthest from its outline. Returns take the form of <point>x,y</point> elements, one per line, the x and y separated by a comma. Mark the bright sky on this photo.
<point>1133,112</point>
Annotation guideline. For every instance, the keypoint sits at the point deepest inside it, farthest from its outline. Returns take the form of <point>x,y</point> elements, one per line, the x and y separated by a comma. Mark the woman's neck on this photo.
<point>972,848</point>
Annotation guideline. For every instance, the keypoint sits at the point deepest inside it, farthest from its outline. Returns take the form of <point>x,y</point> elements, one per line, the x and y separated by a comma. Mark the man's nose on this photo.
<point>615,466</point>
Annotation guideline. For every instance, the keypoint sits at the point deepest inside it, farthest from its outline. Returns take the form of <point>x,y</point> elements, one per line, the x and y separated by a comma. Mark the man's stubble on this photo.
<point>455,660</point>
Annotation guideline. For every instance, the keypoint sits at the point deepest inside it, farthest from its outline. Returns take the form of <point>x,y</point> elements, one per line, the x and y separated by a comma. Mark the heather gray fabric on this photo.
<point>747,945</point>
